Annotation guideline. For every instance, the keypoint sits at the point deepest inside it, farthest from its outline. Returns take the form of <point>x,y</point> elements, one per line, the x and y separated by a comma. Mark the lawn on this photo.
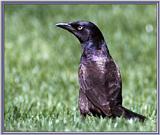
<point>41,63</point>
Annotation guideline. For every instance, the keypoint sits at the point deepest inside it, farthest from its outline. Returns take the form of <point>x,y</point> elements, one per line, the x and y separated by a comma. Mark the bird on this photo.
<point>100,80</point>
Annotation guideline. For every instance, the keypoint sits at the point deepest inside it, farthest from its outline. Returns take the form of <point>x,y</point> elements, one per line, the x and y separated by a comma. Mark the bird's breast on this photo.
<point>99,62</point>
<point>95,62</point>
<point>93,67</point>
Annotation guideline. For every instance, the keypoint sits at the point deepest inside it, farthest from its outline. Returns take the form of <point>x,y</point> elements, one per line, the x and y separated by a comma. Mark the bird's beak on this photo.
<point>65,26</point>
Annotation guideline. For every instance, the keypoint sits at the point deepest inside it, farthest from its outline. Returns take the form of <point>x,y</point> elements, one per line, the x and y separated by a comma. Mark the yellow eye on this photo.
<point>79,27</point>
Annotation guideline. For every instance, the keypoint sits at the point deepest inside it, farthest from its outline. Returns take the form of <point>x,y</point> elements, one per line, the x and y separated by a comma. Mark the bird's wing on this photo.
<point>101,84</point>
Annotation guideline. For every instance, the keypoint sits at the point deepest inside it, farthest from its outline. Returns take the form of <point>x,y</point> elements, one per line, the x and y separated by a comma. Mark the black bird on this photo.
<point>99,76</point>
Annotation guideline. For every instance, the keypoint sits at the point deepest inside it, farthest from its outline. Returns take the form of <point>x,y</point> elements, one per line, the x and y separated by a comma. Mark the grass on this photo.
<point>41,63</point>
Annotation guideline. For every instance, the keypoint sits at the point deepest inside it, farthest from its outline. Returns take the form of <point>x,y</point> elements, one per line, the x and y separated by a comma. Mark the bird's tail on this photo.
<point>128,114</point>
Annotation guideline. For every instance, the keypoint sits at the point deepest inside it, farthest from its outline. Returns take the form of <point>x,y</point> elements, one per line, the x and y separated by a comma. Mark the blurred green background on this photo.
<point>41,63</point>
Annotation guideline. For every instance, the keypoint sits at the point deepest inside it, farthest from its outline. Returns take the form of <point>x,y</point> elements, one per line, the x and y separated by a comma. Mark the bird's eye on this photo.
<point>79,27</point>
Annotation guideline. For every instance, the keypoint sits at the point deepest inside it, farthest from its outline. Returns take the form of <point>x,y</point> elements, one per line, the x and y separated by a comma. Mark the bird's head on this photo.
<point>83,30</point>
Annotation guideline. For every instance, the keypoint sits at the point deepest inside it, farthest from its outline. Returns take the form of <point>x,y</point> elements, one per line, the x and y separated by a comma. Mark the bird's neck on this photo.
<point>93,48</point>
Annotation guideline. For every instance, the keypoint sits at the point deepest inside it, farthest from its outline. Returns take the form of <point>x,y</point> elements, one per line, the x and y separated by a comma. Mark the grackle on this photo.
<point>99,76</point>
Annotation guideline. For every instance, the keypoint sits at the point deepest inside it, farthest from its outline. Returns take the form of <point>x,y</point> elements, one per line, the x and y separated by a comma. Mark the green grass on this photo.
<point>41,63</point>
